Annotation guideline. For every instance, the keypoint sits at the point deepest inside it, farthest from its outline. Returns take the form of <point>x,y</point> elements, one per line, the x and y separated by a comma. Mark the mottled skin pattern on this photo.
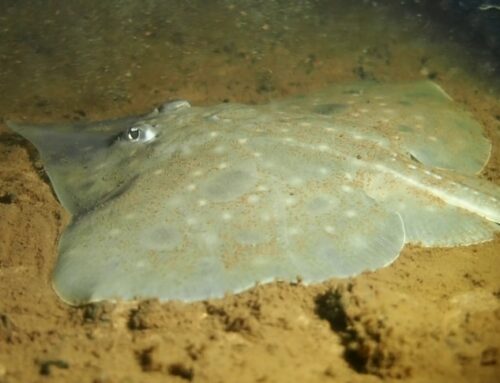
<point>190,203</point>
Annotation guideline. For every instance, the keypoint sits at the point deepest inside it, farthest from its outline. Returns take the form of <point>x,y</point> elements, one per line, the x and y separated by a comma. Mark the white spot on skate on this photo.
<point>351,213</point>
<point>346,188</point>
<point>226,216</point>
<point>222,165</point>
<point>329,229</point>
<point>253,198</point>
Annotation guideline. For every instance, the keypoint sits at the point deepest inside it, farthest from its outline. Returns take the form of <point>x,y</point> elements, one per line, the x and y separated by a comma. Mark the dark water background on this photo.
<point>86,59</point>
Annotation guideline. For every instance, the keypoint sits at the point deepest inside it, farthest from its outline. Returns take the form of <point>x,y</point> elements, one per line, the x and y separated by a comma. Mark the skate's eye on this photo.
<point>140,133</point>
<point>134,133</point>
